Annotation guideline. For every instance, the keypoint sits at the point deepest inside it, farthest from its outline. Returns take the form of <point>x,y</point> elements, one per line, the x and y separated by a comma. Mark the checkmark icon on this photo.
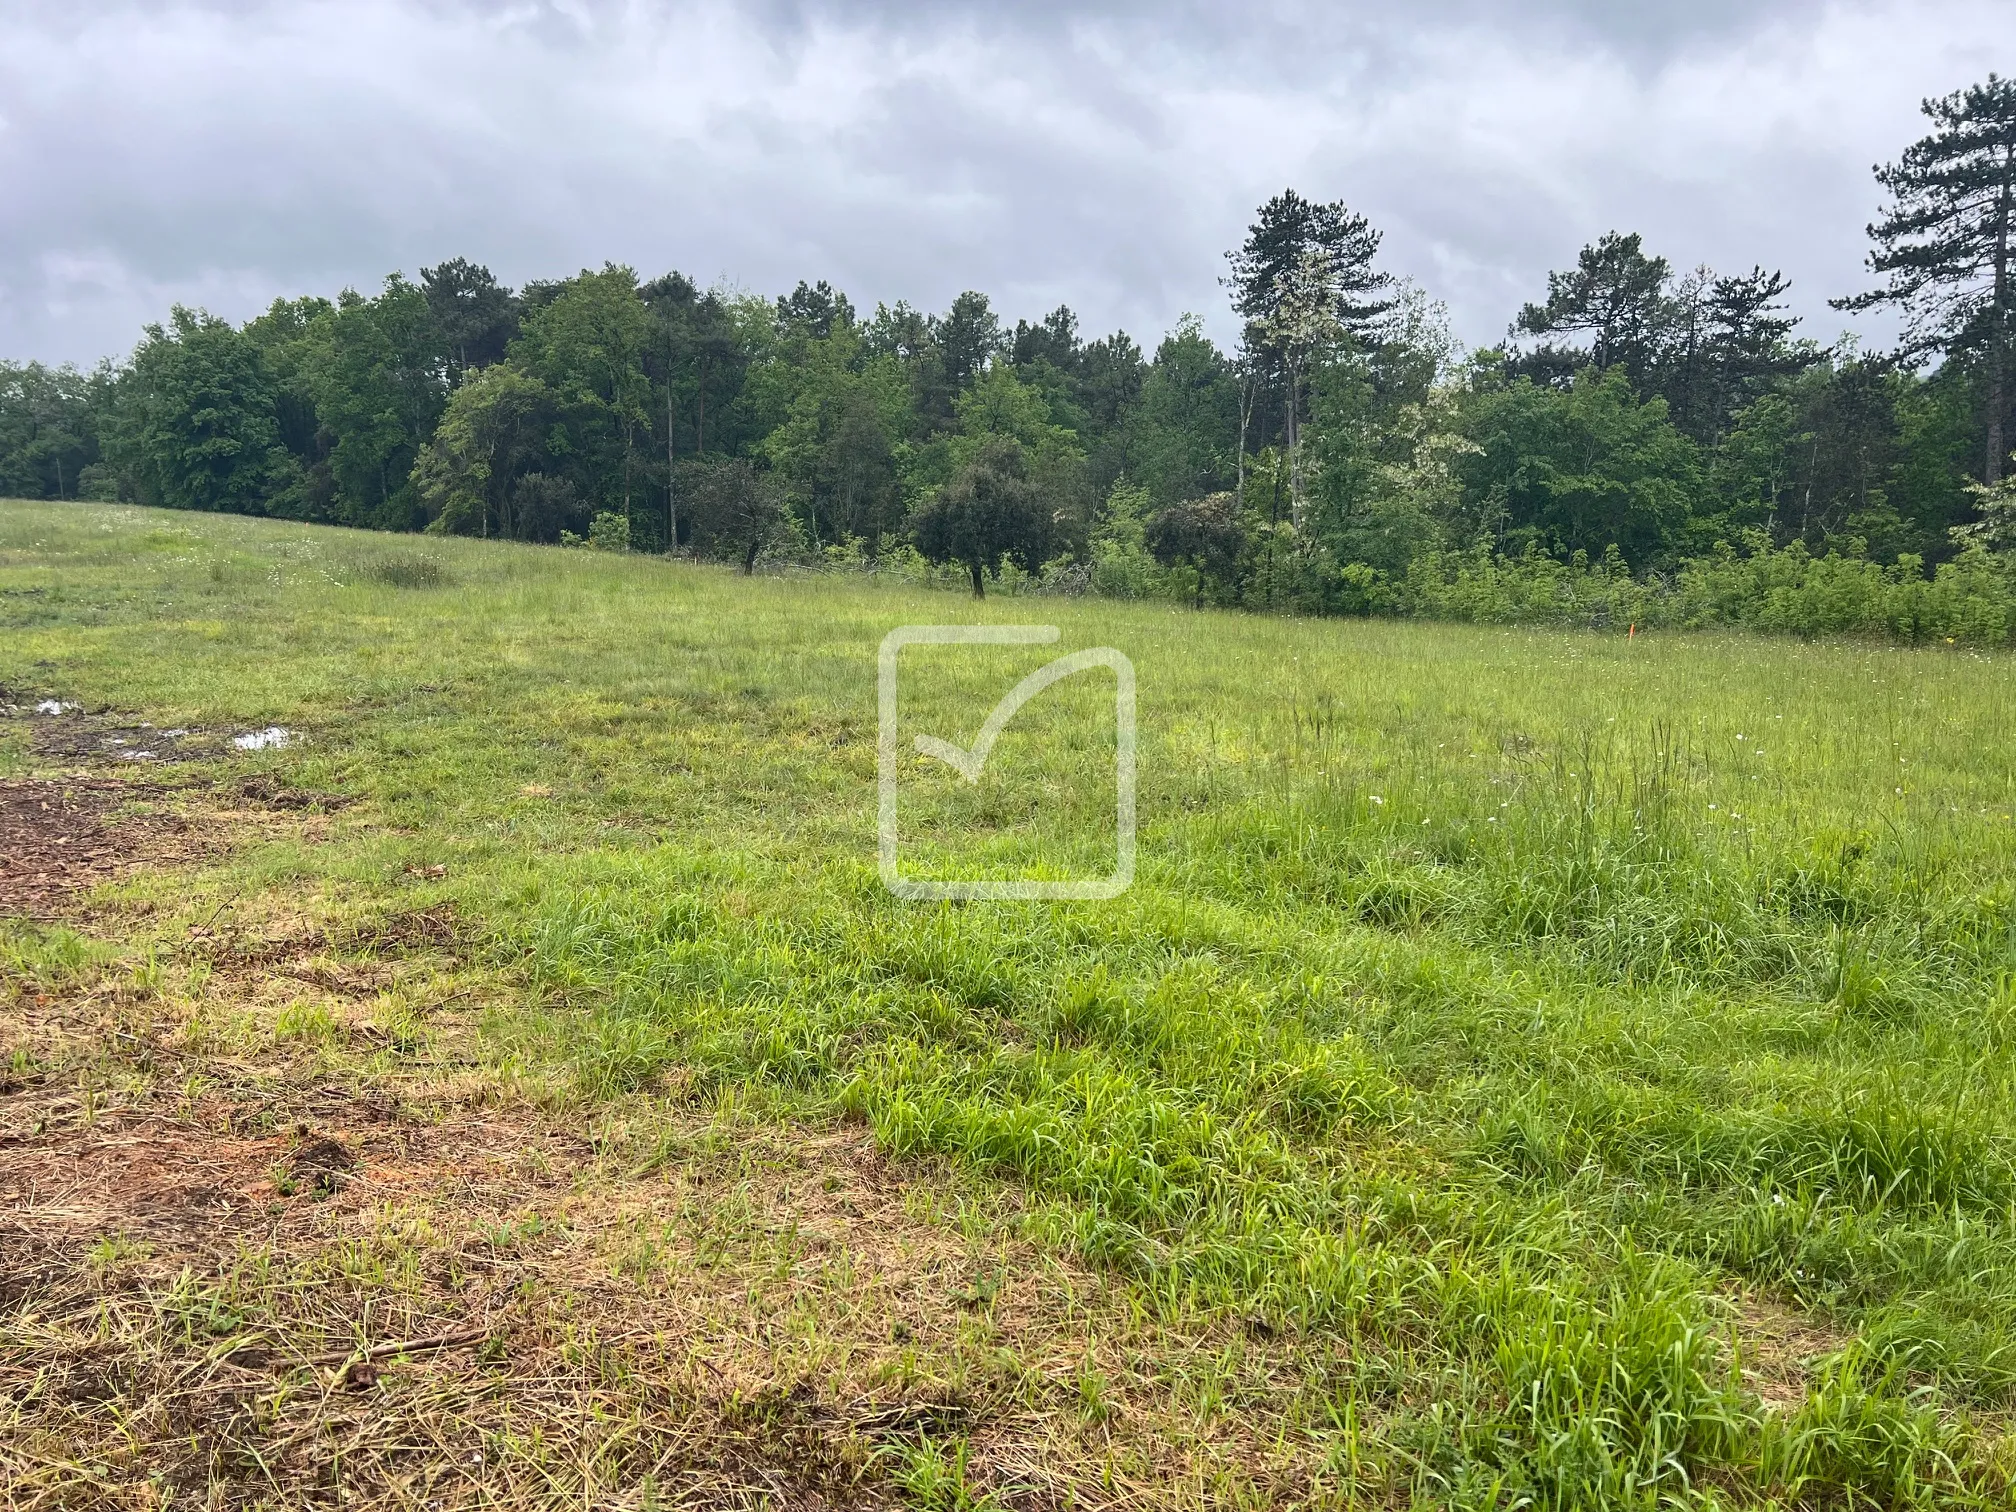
<point>971,761</point>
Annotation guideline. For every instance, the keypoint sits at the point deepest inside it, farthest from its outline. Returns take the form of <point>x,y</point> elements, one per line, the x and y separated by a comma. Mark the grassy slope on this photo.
<point>1545,1025</point>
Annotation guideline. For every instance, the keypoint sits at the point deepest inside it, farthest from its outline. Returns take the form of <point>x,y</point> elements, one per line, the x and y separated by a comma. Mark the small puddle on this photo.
<point>60,728</point>
<point>74,736</point>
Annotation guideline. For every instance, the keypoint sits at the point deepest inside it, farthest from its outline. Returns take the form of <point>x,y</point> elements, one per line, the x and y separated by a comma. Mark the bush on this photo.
<point>99,483</point>
<point>609,532</point>
<point>403,570</point>
<point>734,512</point>
<point>1970,600</point>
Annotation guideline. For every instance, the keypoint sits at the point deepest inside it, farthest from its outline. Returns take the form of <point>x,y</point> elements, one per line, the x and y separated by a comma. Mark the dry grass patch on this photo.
<point>1780,1347</point>
<point>236,1284</point>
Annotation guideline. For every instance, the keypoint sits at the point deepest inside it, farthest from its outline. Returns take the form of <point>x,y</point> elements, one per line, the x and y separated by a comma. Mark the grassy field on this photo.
<point>1546,1070</point>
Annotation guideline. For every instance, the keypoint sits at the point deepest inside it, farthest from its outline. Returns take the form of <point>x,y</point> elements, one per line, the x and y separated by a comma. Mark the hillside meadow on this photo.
<point>1529,1069</point>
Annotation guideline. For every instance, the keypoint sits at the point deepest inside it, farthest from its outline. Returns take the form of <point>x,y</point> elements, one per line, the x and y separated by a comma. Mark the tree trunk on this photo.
<point>749,556</point>
<point>1245,418</point>
<point>1998,338</point>
<point>1295,506</point>
<point>629,448</point>
<point>979,579</point>
<point>1997,403</point>
<point>671,486</point>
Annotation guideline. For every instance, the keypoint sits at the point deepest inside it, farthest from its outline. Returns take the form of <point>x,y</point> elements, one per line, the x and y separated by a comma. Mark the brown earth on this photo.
<point>261,1271</point>
<point>285,1294</point>
<point>62,837</point>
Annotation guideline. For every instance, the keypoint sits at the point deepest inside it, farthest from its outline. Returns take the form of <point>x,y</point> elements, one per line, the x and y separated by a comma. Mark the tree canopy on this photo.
<point>1341,449</point>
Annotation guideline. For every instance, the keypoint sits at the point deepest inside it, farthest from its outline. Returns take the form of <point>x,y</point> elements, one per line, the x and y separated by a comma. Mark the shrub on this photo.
<point>609,532</point>
<point>404,570</point>
<point>1970,600</point>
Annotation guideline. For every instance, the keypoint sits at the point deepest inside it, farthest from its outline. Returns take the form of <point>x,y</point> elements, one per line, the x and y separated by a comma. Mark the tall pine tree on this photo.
<point>1944,242</point>
<point>1303,279</point>
<point>1616,296</point>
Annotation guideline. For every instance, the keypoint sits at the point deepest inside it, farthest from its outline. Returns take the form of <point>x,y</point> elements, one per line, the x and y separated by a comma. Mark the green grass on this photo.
<point>1526,1018</point>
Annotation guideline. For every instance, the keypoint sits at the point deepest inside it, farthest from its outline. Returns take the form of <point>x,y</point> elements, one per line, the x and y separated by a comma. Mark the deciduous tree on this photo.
<point>988,514</point>
<point>493,433</point>
<point>1206,535</point>
<point>194,423</point>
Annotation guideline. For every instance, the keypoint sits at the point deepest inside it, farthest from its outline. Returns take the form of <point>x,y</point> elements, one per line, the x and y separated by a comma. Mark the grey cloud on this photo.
<point>225,153</point>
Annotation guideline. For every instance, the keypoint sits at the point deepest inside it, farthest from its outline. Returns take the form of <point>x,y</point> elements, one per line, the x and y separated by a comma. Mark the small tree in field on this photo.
<point>1207,535</point>
<point>736,511</point>
<point>990,513</point>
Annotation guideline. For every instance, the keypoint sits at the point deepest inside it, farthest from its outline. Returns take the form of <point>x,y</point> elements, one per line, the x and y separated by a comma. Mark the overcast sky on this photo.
<point>223,153</point>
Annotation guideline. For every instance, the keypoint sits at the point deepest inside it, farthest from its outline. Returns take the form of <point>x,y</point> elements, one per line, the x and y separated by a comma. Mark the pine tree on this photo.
<point>1277,244</point>
<point>1944,242</point>
<point>1750,345</point>
<point>1304,281</point>
<point>1617,296</point>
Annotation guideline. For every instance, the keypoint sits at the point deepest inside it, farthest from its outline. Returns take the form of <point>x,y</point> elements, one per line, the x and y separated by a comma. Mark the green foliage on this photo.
<point>1183,440</point>
<point>1994,525</point>
<point>838,443</point>
<point>1001,407</point>
<point>1583,470</point>
<point>737,513</point>
<point>587,343</point>
<point>494,438</point>
<point>1205,538</point>
<point>1617,296</point>
<point>195,424</point>
<point>375,372</point>
<point>1946,244</point>
<point>1386,435</point>
<point>48,430</point>
<point>474,317</point>
<point>990,513</point>
<point>1288,233</point>
<point>609,532</point>
<point>1121,566</point>
<point>1970,600</point>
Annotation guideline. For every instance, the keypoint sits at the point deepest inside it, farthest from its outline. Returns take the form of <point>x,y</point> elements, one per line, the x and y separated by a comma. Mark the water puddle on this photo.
<point>60,729</point>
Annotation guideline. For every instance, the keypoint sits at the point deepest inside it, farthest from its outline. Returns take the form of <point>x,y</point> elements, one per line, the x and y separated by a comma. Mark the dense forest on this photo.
<point>1646,443</point>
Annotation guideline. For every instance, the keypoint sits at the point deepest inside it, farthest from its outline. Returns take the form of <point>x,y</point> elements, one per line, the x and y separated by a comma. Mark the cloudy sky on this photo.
<point>222,152</point>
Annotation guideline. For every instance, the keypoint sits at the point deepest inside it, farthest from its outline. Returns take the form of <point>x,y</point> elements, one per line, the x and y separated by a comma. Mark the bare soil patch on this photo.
<point>1781,1346</point>
<point>266,792</point>
<point>275,1292</point>
<point>72,736</point>
<point>58,838</point>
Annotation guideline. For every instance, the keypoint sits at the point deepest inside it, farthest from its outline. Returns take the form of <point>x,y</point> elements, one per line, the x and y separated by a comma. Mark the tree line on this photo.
<point>1637,421</point>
